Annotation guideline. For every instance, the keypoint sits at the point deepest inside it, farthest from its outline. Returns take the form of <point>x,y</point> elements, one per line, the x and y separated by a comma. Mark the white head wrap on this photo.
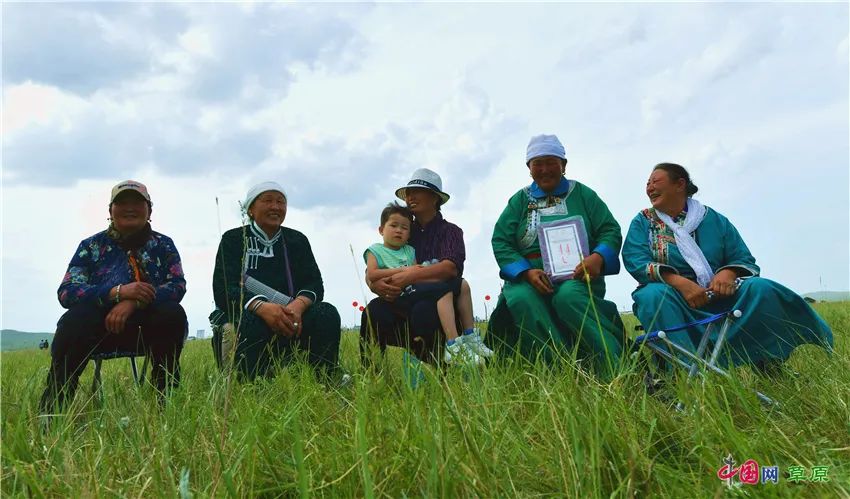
<point>258,189</point>
<point>544,145</point>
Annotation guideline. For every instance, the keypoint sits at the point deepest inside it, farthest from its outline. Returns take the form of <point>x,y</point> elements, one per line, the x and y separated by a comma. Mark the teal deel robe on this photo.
<point>775,320</point>
<point>576,314</point>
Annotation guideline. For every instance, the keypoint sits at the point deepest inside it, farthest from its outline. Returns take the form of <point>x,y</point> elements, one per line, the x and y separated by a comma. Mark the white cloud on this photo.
<point>341,103</point>
<point>32,104</point>
<point>198,42</point>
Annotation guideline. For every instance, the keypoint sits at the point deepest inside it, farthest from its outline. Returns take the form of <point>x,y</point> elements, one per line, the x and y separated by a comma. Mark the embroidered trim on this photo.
<point>660,238</point>
<point>550,205</point>
<point>258,245</point>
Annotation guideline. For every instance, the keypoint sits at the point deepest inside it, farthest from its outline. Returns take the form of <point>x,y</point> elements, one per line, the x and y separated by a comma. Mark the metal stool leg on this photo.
<point>703,344</point>
<point>721,339</point>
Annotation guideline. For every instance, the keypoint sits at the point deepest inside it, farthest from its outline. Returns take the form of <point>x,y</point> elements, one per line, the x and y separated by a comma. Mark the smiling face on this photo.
<point>664,194</point>
<point>130,212</point>
<point>421,201</point>
<point>396,231</point>
<point>547,171</point>
<point>269,211</point>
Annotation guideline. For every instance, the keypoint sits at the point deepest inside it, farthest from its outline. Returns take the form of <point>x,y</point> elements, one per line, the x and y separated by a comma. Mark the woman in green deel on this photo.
<point>539,315</point>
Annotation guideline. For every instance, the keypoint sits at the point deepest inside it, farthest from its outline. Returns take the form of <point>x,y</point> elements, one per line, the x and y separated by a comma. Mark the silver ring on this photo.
<point>295,324</point>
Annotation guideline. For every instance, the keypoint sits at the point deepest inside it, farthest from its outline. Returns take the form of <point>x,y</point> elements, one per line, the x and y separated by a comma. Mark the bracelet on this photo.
<point>118,294</point>
<point>256,306</point>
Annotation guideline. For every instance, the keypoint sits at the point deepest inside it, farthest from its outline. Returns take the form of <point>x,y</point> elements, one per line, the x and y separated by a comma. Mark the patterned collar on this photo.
<point>560,191</point>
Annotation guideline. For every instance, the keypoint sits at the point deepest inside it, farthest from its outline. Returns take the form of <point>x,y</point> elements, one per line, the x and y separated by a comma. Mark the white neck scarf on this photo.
<point>687,246</point>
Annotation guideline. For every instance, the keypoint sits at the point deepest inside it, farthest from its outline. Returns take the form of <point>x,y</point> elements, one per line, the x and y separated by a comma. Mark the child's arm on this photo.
<point>373,273</point>
<point>419,266</point>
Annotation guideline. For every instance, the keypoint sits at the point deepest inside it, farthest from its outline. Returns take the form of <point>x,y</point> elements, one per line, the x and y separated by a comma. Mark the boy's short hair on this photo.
<point>395,209</point>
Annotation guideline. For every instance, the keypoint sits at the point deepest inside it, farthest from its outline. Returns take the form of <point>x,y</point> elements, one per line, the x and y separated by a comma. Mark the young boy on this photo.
<point>393,255</point>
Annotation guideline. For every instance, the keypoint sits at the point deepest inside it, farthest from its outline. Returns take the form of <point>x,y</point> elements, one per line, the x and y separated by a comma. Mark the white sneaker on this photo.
<point>458,353</point>
<point>474,341</point>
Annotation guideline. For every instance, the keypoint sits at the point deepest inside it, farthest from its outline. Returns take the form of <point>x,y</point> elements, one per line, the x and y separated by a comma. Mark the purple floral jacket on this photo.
<point>99,264</point>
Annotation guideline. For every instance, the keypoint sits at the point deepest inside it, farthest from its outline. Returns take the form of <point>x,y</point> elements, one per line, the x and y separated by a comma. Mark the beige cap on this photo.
<point>130,185</point>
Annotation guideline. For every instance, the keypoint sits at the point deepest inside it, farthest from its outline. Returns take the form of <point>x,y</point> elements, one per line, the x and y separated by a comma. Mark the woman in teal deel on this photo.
<point>690,263</point>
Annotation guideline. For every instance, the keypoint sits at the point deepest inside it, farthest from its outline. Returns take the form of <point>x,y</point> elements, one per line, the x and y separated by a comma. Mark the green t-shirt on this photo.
<point>389,258</point>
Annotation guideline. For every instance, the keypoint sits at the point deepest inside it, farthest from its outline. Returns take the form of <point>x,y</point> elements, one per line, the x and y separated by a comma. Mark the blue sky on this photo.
<point>340,103</point>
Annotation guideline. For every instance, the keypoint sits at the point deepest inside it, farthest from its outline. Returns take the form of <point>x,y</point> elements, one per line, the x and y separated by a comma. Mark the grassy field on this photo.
<point>19,340</point>
<point>512,429</point>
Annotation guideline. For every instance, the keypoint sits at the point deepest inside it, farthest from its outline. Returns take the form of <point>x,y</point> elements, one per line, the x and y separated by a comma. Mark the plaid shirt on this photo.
<point>439,240</point>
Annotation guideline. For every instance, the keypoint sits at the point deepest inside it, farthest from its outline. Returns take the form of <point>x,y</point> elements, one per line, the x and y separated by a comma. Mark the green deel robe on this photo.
<point>577,313</point>
<point>775,320</point>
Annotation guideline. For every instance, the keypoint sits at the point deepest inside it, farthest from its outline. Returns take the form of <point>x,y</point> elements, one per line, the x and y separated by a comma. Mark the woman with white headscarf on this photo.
<point>268,293</point>
<point>540,314</point>
<point>690,263</point>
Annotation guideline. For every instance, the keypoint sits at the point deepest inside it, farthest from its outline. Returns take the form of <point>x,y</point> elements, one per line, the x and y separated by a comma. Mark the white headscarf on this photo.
<point>258,189</point>
<point>687,246</point>
<point>266,242</point>
<point>544,145</point>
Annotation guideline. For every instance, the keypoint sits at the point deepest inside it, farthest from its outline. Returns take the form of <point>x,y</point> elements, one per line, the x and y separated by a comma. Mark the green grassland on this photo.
<point>18,340</point>
<point>510,429</point>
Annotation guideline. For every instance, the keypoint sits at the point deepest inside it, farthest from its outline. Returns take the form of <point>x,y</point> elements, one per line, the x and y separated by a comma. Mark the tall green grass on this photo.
<point>511,429</point>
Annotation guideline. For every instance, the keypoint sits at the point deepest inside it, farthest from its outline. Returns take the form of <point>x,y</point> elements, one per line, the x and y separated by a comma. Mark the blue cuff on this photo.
<point>511,271</point>
<point>609,256</point>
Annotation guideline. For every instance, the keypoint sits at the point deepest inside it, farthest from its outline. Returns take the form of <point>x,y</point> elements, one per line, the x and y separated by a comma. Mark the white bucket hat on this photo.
<point>424,178</point>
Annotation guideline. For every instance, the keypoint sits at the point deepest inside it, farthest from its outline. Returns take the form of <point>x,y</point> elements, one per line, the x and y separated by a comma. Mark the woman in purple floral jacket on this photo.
<point>122,290</point>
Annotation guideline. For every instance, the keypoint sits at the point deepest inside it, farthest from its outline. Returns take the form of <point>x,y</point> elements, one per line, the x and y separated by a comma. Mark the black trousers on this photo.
<point>409,322</point>
<point>158,331</point>
<point>259,349</point>
<point>416,328</point>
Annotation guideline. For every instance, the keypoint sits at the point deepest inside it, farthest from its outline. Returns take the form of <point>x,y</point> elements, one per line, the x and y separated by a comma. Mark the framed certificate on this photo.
<point>563,245</point>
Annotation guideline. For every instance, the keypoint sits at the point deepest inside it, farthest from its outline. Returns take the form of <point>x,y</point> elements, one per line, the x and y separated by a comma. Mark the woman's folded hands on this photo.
<point>280,319</point>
